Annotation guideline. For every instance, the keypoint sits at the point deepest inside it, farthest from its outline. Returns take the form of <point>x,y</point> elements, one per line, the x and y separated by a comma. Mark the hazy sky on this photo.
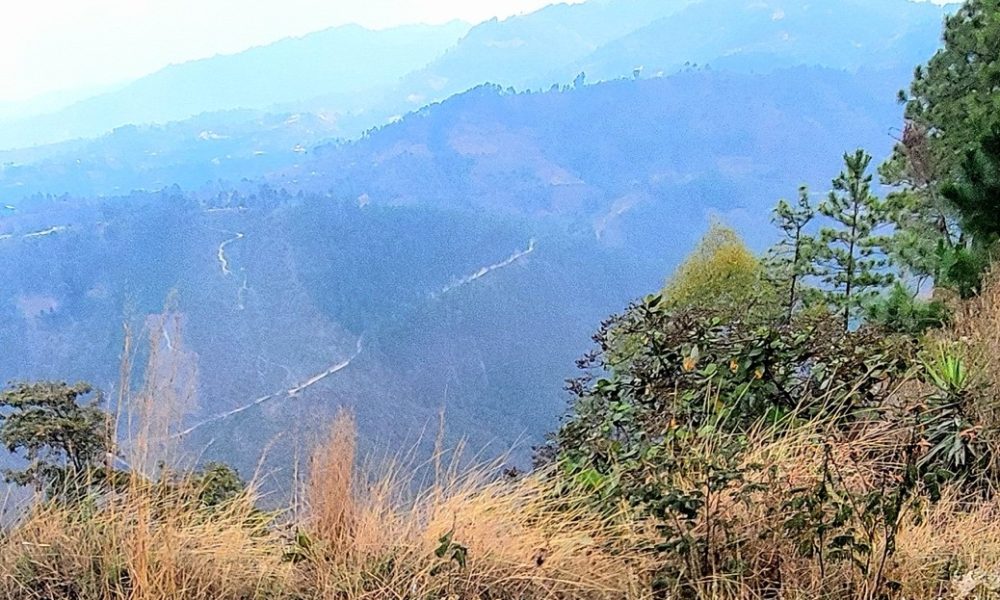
<point>51,45</point>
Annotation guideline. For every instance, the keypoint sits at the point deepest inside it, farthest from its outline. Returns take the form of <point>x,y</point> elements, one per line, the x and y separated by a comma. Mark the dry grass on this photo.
<point>141,544</point>
<point>354,536</point>
<point>365,534</point>
<point>954,546</point>
<point>946,549</point>
<point>378,539</point>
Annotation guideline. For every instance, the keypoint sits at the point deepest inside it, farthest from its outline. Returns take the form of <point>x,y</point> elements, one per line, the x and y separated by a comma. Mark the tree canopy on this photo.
<point>63,436</point>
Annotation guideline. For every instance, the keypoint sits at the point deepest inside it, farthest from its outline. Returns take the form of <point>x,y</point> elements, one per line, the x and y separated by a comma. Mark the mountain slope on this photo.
<point>737,141</point>
<point>342,60</point>
<point>764,35</point>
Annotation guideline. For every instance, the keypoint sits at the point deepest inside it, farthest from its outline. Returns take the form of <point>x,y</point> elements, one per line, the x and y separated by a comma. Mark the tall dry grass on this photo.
<point>354,534</point>
<point>145,543</point>
<point>470,534</point>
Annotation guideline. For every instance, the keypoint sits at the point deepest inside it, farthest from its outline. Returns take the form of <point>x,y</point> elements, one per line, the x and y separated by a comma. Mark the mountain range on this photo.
<point>455,257</point>
<point>322,63</point>
<point>408,67</point>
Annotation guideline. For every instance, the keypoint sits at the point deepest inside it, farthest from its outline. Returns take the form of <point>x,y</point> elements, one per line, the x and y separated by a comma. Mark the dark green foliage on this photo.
<point>925,231</point>
<point>946,162</point>
<point>450,553</point>
<point>953,98</point>
<point>976,191</point>
<point>961,268</point>
<point>65,442</point>
<point>216,483</point>
<point>850,259</point>
<point>902,312</point>
<point>973,195</point>
<point>666,428</point>
<point>68,445</point>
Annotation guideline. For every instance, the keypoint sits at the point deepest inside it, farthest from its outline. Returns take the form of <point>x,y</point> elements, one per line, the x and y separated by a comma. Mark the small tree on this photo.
<point>790,260</point>
<point>216,483</point>
<point>64,441</point>
<point>721,274</point>
<point>850,259</point>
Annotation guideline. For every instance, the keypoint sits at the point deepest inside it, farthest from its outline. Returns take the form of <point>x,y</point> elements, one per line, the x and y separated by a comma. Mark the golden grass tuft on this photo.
<point>470,534</point>
<point>329,493</point>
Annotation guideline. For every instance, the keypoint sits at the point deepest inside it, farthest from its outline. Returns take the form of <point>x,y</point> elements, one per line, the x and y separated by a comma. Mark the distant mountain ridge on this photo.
<point>406,68</point>
<point>769,34</point>
<point>340,60</point>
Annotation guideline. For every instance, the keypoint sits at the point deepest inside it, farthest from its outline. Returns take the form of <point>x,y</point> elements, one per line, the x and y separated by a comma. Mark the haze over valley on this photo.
<point>422,218</point>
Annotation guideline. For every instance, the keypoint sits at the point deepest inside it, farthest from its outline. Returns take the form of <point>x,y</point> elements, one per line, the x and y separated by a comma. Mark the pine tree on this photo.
<point>976,193</point>
<point>790,260</point>
<point>950,103</point>
<point>953,98</point>
<point>850,259</point>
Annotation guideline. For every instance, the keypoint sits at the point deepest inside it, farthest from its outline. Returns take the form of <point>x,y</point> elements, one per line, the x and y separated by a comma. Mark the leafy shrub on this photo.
<point>215,484</point>
<point>664,421</point>
<point>686,369</point>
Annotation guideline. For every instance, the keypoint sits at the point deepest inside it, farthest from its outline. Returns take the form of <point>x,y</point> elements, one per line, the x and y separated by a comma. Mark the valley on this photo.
<point>488,217</point>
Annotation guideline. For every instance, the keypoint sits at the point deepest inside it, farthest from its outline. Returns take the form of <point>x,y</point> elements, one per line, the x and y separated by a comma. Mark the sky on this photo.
<point>55,45</point>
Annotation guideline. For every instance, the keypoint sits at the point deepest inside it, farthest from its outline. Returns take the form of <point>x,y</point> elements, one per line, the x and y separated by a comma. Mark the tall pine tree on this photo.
<point>850,259</point>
